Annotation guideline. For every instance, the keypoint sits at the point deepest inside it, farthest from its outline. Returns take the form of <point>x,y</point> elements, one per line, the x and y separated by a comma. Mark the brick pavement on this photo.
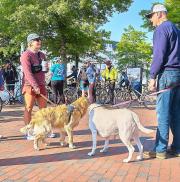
<point>20,163</point>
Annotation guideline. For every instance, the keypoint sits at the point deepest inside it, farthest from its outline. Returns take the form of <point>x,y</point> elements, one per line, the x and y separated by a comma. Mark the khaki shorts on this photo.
<point>30,97</point>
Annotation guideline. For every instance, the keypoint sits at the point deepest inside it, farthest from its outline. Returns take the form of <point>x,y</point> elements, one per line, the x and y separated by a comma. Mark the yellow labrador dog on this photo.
<point>108,121</point>
<point>63,117</point>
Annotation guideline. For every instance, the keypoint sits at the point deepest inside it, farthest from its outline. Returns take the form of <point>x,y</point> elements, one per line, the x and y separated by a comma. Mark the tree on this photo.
<point>173,7</point>
<point>133,49</point>
<point>68,27</point>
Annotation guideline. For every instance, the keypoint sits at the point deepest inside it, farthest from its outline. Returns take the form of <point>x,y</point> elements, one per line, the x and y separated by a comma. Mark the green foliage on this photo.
<point>133,49</point>
<point>68,27</point>
<point>173,7</point>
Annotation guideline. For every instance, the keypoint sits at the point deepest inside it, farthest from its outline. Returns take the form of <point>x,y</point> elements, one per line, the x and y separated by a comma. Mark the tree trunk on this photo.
<point>63,53</point>
<point>77,61</point>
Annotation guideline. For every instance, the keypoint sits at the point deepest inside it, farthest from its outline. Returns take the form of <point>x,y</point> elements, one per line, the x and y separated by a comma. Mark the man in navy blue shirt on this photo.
<point>165,73</point>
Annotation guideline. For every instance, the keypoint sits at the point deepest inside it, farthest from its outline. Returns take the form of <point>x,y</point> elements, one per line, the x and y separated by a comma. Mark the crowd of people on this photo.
<point>35,65</point>
<point>87,75</point>
<point>9,77</point>
<point>165,73</point>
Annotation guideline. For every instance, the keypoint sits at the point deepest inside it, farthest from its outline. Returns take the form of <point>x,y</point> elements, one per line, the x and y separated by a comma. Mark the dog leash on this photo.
<point>44,97</point>
<point>152,94</point>
<point>163,90</point>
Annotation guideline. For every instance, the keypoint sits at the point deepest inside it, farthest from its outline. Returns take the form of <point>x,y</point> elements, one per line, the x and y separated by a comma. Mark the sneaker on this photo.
<point>52,135</point>
<point>151,154</point>
<point>177,154</point>
<point>30,137</point>
<point>173,152</point>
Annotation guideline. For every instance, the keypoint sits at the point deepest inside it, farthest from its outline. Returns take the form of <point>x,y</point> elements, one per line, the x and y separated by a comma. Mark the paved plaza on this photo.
<point>20,162</point>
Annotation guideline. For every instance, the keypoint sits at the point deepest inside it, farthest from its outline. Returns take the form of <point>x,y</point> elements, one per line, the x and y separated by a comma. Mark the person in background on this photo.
<point>165,73</point>
<point>10,77</point>
<point>1,87</point>
<point>91,75</point>
<point>82,77</point>
<point>124,80</point>
<point>33,77</point>
<point>73,76</point>
<point>57,81</point>
<point>1,80</point>
<point>110,75</point>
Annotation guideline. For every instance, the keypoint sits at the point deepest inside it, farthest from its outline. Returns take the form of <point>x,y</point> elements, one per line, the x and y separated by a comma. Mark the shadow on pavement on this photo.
<point>14,113</point>
<point>66,156</point>
<point>8,138</point>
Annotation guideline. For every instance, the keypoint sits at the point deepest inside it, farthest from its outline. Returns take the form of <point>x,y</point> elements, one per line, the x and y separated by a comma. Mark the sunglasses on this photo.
<point>37,40</point>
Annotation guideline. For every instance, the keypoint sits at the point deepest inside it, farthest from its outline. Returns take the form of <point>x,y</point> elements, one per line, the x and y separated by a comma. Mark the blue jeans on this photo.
<point>168,111</point>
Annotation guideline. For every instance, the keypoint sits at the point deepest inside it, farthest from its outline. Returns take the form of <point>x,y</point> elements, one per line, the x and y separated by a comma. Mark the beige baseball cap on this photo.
<point>156,8</point>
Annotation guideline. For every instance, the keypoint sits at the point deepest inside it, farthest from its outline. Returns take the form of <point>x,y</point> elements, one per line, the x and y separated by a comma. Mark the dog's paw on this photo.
<point>139,157</point>
<point>104,150</point>
<point>71,146</point>
<point>47,144</point>
<point>91,154</point>
<point>37,148</point>
<point>126,160</point>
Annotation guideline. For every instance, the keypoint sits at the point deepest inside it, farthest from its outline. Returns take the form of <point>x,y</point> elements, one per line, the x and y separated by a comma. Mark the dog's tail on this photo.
<point>140,126</point>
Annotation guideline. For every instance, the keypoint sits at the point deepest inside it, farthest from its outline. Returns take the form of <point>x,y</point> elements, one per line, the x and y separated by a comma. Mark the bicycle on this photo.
<point>49,93</point>
<point>7,97</point>
<point>104,93</point>
<point>72,93</point>
<point>135,97</point>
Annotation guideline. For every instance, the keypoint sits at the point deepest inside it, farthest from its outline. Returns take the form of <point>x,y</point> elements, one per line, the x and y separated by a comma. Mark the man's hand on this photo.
<point>152,85</point>
<point>2,88</point>
<point>113,81</point>
<point>37,90</point>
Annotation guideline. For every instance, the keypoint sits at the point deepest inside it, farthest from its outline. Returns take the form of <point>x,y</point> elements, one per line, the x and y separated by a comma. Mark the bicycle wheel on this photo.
<point>1,104</point>
<point>127,97</point>
<point>5,97</point>
<point>149,102</point>
<point>118,96</point>
<point>71,95</point>
<point>103,97</point>
<point>50,95</point>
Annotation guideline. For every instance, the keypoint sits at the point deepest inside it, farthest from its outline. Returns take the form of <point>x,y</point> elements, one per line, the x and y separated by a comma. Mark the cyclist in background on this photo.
<point>124,80</point>
<point>110,75</point>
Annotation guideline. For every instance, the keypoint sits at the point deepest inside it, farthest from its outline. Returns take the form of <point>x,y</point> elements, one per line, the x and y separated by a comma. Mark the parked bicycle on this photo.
<point>135,97</point>
<point>72,92</point>
<point>104,93</point>
<point>7,97</point>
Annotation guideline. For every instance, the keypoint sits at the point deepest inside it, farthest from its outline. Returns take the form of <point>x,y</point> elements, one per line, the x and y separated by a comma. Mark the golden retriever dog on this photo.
<point>63,117</point>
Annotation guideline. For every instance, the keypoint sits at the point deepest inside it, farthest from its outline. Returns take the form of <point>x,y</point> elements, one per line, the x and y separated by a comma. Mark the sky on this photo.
<point>118,22</point>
